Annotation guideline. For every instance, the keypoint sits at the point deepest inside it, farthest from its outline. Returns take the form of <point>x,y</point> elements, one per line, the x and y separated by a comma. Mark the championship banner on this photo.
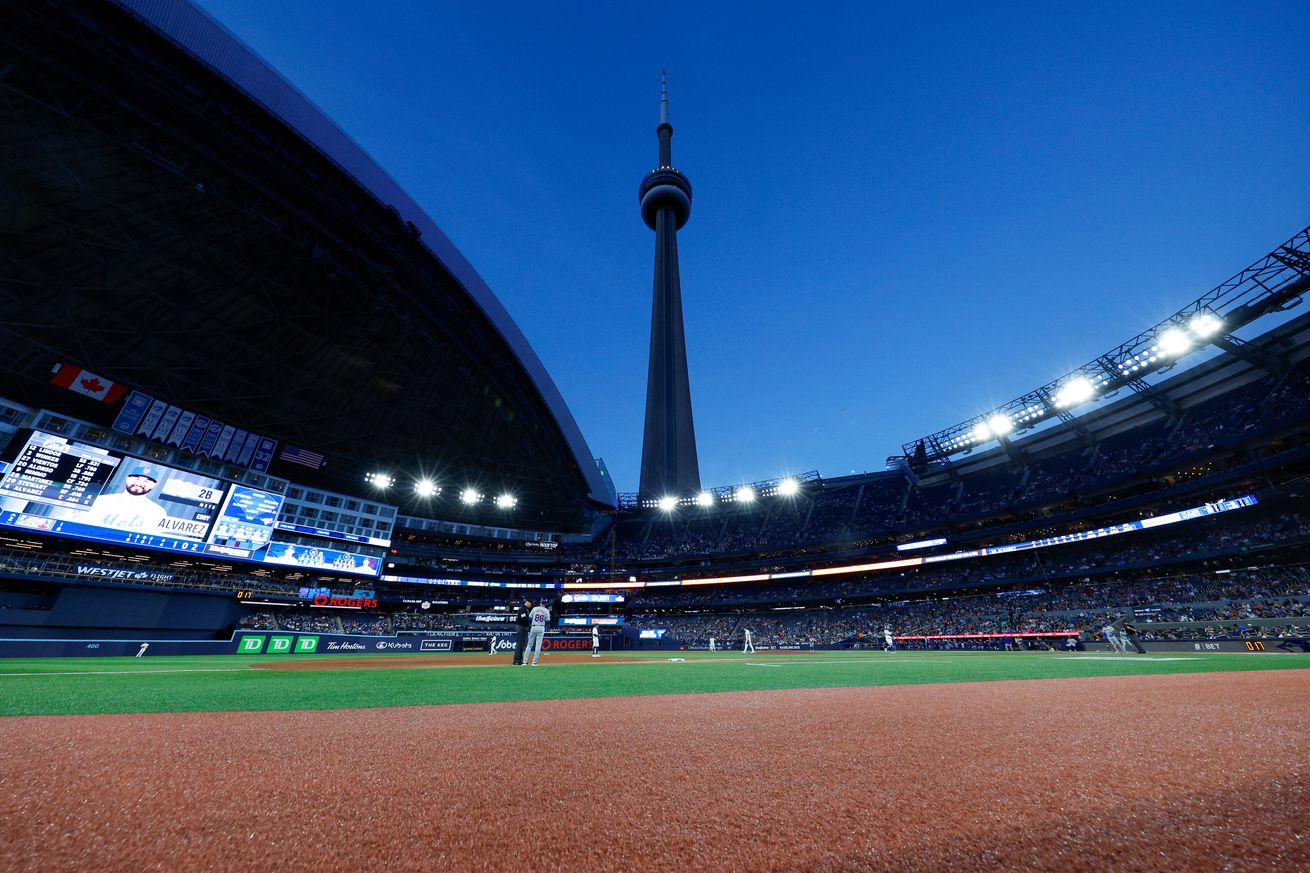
<point>224,439</point>
<point>197,432</point>
<point>248,450</point>
<point>167,423</point>
<point>206,446</point>
<point>182,428</point>
<point>152,416</point>
<point>234,446</point>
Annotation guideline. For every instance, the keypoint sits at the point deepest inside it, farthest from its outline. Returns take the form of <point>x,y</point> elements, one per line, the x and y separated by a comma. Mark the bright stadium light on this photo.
<point>705,498</point>
<point>1075,391</point>
<point>380,480</point>
<point>1204,324</point>
<point>981,432</point>
<point>425,488</point>
<point>507,501</point>
<point>745,494</point>
<point>1000,424</point>
<point>470,496</point>
<point>789,486</point>
<point>668,503</point>
<point>1173,342</point>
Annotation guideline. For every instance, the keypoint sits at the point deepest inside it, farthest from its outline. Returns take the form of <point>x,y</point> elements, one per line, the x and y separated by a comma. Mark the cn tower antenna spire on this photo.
<point>669,467</point>
<point>664,97</point>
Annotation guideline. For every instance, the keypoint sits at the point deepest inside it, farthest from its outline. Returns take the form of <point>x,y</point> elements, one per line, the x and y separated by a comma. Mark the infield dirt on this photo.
<point>438,662</point>
<point>1201,771</point>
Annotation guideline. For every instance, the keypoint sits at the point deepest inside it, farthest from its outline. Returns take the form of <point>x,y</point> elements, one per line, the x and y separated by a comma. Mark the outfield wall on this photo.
<point>288,643</point>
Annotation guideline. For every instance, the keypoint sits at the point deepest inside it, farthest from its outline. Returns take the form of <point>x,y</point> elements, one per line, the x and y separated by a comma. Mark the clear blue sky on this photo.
<point>904,213</point>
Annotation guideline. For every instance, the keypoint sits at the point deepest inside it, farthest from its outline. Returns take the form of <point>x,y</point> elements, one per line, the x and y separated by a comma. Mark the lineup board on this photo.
<point>58,473</point>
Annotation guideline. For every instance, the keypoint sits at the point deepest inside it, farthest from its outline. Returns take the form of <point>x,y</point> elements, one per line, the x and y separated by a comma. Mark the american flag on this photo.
<point>305,457</point>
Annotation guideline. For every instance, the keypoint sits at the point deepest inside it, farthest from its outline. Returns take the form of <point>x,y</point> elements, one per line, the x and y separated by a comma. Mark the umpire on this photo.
<point>523,621</point>
<point>1130,631</point>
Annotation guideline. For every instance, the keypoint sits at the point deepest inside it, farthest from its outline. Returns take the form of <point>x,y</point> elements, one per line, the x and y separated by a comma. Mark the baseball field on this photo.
<point>723,761</point>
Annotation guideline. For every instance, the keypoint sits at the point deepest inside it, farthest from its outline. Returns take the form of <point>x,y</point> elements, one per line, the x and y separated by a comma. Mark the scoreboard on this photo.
<point>51,470</point>
<point>63,488</point>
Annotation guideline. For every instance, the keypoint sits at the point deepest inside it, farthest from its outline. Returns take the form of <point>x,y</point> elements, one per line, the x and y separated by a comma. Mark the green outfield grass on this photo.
<point>79,686</point>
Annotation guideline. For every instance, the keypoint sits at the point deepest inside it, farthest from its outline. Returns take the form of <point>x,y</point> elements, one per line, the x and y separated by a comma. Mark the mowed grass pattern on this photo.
<point>83,686</point>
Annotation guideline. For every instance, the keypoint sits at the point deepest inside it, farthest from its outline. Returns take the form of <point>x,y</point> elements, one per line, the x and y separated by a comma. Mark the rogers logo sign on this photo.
<point>357,602</point>
<point>566,643</point>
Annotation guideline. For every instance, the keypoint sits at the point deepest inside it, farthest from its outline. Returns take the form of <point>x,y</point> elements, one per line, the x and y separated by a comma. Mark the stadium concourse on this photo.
<point>190,528</point>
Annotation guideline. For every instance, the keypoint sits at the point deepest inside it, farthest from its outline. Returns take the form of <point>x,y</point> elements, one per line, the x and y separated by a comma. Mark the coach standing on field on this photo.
<point>523,621</point>
<point>540,619</point>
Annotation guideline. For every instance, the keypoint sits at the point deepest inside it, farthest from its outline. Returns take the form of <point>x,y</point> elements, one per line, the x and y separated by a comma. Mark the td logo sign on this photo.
<point>277,645</point>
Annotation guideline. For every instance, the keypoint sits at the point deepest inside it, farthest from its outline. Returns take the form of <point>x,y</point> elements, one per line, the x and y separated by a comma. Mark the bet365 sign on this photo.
<point>276,644</point>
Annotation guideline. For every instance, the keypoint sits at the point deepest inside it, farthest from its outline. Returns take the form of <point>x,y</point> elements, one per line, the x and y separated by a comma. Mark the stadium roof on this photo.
<point>177,217</point>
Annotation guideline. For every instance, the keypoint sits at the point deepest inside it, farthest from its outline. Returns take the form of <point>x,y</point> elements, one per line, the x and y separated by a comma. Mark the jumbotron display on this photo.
<point>63,488</point>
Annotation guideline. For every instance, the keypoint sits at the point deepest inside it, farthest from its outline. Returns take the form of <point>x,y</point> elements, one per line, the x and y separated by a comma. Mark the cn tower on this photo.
<point>668,451</point>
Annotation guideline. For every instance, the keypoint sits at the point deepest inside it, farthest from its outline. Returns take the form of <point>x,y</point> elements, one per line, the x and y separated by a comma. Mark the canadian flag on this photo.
<point>88,383</point>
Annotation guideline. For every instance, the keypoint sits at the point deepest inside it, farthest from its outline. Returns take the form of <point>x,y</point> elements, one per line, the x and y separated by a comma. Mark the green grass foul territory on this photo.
<point>79,686</point>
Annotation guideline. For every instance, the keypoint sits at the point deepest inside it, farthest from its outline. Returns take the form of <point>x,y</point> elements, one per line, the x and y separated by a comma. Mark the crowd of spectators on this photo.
<point>424,621</point>
<point>308,623</point>
<point>368,624</point>
<point>1236,599</point>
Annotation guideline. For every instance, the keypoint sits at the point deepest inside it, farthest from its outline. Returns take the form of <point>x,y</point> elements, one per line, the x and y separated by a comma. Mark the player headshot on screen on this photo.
<point>132,508</point>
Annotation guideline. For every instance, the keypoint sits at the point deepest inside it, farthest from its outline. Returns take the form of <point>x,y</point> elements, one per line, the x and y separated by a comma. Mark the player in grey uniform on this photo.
<point>538,619</point>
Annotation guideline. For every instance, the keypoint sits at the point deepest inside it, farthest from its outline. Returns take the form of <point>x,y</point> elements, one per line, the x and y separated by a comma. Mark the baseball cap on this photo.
<point>543,601</point>
<point>148,470</point>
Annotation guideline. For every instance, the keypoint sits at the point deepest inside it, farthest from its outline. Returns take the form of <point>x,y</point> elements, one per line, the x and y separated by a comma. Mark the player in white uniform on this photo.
<point>1123,638</point>
<point>887,635</point>
<point>130,509</point>
<point>748,646</point>
<point>595,641</point>
<point>1111,637</point>
<point>537,621</point>
<point>713,647</point>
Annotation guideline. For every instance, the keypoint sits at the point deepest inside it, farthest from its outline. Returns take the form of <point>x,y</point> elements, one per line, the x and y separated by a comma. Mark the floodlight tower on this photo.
<point>668,449</point>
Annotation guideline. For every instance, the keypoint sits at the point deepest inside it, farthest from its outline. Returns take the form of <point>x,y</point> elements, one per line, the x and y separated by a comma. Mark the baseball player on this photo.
<point>748,646</point>
<point>713,647</point>
<point>538,619</point>
<point>595,641</point>
<point>141,651</point>
<point>1123,638</point>
<point>887,635</point>
<point>1111,637</point>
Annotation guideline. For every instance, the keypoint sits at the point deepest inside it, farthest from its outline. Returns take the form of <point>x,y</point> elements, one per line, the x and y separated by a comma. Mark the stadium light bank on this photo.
<point>1274,283</point>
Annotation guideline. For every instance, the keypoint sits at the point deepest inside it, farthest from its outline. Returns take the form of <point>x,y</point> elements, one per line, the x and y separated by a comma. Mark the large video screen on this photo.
<point>245,524</point>
<point>317,558</point>
<point>64,488</point>
<point>69,489</point>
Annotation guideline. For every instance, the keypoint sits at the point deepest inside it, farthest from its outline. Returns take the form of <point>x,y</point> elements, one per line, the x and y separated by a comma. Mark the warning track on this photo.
<point>1202,771</point>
